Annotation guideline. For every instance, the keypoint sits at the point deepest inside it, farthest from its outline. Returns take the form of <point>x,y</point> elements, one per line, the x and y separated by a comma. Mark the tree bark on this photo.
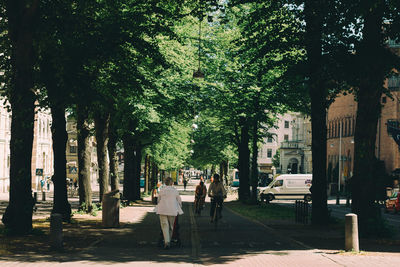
<point>368,111</point>
<point>112,155</point>
<point>154,175</point>
<point>137,171</point>
<point>147,174</point>
<point>254,165</point>
<point>102,122</point>
<point>244,161</point>
<point>85,189</point>
<point>129,167</point>
<point>21,16</point>
<point>60,138</point>
<point>314,14</point>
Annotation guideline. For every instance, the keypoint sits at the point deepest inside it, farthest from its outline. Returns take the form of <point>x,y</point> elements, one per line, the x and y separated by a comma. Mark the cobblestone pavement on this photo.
<point>236,241</point>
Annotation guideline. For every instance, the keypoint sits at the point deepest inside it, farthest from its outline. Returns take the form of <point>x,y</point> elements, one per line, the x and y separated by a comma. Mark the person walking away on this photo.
<point>168,207</point>
<point>217,193</point>
<point>184,183</point>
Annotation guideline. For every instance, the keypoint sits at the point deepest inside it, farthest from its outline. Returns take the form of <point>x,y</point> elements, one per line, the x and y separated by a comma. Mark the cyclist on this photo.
<point>200,196</point>
<point>217,193</point>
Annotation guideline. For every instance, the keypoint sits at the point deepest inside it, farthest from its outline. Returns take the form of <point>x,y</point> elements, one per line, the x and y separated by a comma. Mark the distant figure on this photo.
<point>42,184</point>
<point>48,184</point>
<point>184,183</point>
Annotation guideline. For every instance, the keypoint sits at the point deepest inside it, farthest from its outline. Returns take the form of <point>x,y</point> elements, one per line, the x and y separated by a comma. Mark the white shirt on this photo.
<point>169,202</point>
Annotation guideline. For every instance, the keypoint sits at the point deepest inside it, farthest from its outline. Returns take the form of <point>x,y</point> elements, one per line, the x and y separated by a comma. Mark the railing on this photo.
<point>302,211</point>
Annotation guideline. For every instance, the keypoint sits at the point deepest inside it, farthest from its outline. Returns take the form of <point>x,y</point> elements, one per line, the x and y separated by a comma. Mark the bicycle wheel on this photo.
<point>196,206</point>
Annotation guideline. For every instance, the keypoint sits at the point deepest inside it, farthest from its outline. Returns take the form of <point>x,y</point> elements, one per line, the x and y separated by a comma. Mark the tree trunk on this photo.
<point>147,174</point>
<point>102,122</point>
<point>129,167</point>
<point>244,161</point>
<point>154,175</point>
<point>137,171</point>
<point>254,165</point>
<point>18,215</point>
<point>112,155</point>
<point>221,171</point>
<point>60,138</point>
<point>85,189</point>
<point>368,111</point>
<point>226,167</point>
<point>314,13</point>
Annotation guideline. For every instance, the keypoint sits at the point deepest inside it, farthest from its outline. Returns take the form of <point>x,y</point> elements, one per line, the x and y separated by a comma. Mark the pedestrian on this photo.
<point>168,207</point>
<point>184,183</point>
<point>48,181</point>
<point>42,184</point>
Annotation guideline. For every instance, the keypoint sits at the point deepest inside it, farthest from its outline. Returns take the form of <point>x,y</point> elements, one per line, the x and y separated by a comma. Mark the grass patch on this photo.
<point>262,211</point>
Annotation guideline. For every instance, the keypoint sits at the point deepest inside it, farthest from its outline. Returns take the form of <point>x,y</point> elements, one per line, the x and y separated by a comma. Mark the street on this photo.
<point>236,241</point>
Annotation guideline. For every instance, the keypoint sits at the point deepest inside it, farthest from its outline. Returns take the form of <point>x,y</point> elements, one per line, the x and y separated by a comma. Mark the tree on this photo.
<point>21,18</point>
<point>372,62</point>
<point>314,15</point>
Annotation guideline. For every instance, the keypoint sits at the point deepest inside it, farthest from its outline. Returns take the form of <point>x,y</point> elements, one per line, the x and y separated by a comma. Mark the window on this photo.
<point>286,137</point>
<point>72,149</point>
<point>394,83</point>
<point>269,153</point>
<point>269,139</point>
<point>287,124</point>
<point>384,99</point>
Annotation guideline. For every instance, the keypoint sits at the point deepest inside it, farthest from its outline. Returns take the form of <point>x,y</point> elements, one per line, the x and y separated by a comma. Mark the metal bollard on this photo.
<point>56,238</point>
<point>35,197</point>
<point>351,232</point>
<point>43,196</point>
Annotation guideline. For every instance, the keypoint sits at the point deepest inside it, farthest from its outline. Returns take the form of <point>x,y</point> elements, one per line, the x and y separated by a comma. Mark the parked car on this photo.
<point>288,186</point>
<point>392,204</point>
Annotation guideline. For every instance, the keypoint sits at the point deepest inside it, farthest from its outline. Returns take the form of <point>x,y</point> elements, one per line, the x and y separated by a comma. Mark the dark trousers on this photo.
<point>214,202</point>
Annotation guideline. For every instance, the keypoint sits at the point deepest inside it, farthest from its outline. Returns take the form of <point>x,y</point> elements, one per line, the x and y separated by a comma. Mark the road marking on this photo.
<point>194,235</point>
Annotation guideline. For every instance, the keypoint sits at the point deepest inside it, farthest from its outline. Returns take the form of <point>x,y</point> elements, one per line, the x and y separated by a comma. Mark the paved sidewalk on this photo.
<point>236,242</point>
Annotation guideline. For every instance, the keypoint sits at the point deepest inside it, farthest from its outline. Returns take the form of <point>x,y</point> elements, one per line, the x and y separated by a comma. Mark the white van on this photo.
<point>288,186</point>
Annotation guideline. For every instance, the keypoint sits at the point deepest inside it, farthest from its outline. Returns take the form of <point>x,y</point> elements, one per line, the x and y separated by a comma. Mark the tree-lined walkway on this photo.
<point>236,242</point>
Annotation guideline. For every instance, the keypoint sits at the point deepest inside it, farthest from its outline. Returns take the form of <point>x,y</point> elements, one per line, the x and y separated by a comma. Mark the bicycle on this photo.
<point>197,205</point>
<point>217,210</point>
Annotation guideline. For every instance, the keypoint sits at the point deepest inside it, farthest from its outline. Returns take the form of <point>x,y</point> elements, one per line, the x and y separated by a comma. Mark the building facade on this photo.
<point>5,136</point>
<point>42,148</point>
<point>341,121</point>
<point>42,164</point>
<point>292,138</point>
<point>72,154</point>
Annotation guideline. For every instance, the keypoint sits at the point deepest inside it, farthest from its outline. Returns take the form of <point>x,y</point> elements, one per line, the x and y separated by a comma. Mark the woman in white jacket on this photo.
<point>168,207</point>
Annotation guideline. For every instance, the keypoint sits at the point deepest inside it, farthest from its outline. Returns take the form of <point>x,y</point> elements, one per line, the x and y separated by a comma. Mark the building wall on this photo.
<point>72,154</point>
<point>291,127</point>
<point>264,161</point>
<point>42,150</point>
<point>343,112</point>
<point>5,135</point>
<point>296,152</point>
